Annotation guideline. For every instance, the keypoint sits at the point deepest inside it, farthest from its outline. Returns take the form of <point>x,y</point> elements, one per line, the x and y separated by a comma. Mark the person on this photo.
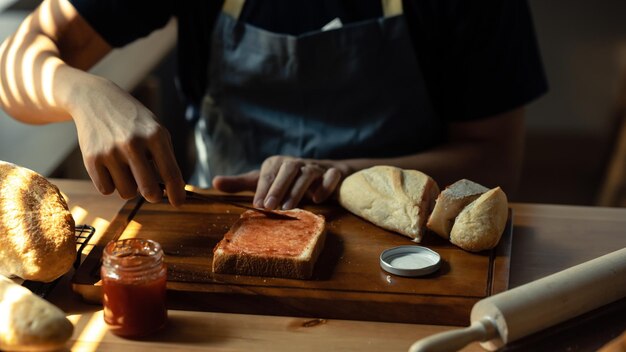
<point>287,98</point>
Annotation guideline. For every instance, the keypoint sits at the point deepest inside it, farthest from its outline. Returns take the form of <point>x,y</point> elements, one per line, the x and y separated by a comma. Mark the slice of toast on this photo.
<point>258,246</point>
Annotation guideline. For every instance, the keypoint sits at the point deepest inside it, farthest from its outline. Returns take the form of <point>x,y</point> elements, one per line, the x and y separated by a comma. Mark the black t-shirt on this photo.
<point>479,58</point>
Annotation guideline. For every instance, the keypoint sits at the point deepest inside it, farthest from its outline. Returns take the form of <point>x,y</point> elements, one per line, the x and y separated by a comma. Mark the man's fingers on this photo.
<point>145,176</point>
<point>267,175</point>
<point>238,183</point>
<point>122,178</point>
<point>286,175</point>
<point>160,148</point>
<point>308,175</point>
<point>329,183</point>
<point>99,175</point>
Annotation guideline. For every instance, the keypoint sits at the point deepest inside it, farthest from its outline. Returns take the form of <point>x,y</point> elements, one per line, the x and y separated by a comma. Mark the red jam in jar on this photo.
<point>134,284</point>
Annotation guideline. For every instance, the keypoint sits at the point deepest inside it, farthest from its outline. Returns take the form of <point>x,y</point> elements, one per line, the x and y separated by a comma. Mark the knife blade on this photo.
<point>208,198</point>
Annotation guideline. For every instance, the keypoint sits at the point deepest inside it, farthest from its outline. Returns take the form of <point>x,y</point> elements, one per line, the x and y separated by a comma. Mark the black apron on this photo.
<point>350,92</point>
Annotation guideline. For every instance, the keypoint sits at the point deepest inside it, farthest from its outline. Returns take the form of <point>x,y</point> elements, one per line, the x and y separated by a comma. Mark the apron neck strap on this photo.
<point>233,7</point>
<point>390,7</point>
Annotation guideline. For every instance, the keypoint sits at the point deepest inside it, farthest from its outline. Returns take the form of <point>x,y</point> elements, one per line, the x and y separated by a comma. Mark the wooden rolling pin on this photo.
<point>526,309</point>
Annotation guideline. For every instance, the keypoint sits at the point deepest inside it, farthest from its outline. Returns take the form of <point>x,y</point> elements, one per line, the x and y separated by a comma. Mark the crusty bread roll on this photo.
<point>449,204</point>
<point>392,198</point>
<point>36,228</point>
<point>480,224</point>
<point>258,246</point>
<point>28,322</point>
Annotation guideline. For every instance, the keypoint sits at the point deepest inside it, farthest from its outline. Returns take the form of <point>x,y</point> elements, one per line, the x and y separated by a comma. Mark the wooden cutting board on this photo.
<point>347,283</point>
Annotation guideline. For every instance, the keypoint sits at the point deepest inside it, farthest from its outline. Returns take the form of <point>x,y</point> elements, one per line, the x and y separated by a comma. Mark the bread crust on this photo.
<point>450,203</point>
<point>392,198</point>
<point>30,323</point>
<point>480,224</point>
<point>36,228</point>
<point>231,258</point>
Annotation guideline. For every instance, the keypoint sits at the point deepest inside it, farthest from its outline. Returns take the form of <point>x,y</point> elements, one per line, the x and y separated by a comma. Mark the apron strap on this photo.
<point>392,7</point>
<point>233,7</point>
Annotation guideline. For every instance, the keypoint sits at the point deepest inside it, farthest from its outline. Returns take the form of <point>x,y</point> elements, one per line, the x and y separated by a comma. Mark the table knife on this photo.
<point>209,198</point>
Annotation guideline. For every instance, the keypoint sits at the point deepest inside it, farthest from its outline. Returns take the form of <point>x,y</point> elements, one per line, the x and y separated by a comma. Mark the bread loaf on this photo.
<point>480,224</point>
<point>392,198</point>
<point>36,228</point>
<point>450,203</point>
<point>28,322</point>
<point>258,246</point>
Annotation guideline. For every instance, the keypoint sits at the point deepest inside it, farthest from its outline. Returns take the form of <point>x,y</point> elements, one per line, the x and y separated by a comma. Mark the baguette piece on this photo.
<point>392,198</point>
<point>28,322</point>
<point>449,204</point>
<point>480,224</point>
<point>258,246</point>
<point>36,228</point>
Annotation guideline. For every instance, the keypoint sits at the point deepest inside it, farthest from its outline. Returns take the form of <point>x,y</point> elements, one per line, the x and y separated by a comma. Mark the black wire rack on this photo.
<point>83,234</point>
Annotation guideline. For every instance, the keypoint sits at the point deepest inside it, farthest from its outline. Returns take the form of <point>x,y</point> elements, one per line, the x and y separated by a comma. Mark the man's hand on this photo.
<point>121,142</point>
<point>123,146</point>
<point>283,181</point>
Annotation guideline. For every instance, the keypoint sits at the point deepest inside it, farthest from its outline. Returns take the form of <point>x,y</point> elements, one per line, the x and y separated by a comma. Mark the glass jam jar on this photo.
<point>134,284</point>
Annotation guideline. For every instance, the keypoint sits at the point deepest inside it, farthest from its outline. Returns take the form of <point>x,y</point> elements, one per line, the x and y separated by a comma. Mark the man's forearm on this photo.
<point>488,151</point>
<point>450,163</point>
<point>31,70</point>
<point>41,65</point>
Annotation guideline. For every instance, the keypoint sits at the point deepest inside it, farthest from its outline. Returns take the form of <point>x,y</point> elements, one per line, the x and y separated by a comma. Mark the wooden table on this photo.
<point>546,239</point>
